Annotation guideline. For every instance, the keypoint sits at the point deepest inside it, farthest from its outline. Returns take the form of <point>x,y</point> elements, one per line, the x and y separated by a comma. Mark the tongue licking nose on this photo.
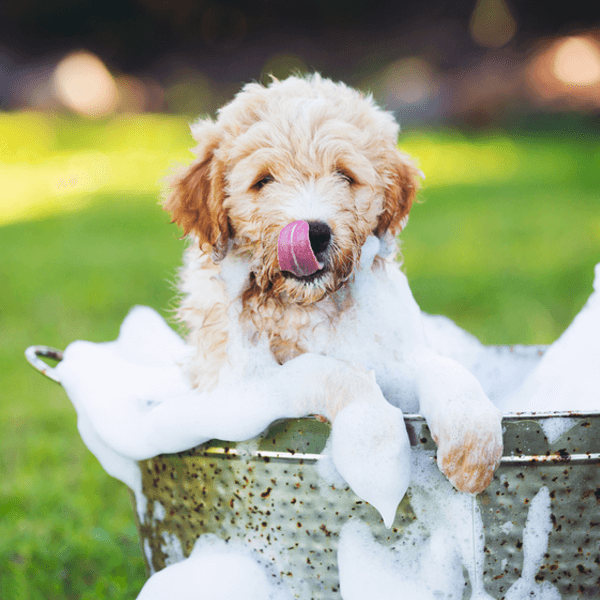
<point>295,252</point>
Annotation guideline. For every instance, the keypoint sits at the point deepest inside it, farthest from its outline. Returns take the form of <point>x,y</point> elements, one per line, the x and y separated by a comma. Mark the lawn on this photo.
<point>504,242</point>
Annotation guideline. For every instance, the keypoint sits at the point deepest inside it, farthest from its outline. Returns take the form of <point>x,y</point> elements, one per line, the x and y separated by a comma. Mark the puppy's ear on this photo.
<point>196,196</point>
<point>402,183</point>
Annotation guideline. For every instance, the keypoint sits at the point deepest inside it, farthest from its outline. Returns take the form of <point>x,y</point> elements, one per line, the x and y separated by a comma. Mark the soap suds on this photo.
<point>172,548</point>
<point>159,511</point>
<point>328,472</point>
<point>216,569</point>
<point>535,543</point>
<point>380,476</point>
<point>143,410</point>
<point>427,563</point>
<point>443,509</point>
<point>554,427</point>
<point>566,378</point>
<point>428,560</point>
<point>148,555</point>
<point>370,571</point>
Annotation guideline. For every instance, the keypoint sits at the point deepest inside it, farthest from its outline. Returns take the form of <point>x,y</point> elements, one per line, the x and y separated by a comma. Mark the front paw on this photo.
<point>469,449</point>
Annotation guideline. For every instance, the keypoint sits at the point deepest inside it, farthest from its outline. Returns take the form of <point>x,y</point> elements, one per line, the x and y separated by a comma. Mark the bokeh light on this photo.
<point>84,84</point>
<point>407,81</point>
<point>577,61</point>
<point>565,73</point>
<point>492,24</point>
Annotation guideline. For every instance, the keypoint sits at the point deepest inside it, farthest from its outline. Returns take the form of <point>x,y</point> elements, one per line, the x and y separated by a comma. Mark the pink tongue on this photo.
<point>294,251</point>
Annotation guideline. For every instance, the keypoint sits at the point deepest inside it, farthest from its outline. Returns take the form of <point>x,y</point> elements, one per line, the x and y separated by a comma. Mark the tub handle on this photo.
<point>33,354</point>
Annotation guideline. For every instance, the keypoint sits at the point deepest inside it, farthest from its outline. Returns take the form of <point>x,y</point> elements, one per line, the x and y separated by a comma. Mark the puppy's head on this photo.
<point>301,149</point>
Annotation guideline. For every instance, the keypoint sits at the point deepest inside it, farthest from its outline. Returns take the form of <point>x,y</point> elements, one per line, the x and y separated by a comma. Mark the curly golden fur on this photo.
<point>310,136</point>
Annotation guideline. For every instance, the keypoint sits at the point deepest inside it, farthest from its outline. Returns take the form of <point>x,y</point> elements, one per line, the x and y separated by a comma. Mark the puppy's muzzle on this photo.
<point>302,248</point>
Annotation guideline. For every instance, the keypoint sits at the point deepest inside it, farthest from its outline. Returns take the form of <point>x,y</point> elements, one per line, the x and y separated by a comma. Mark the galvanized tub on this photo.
<point>268,494</point>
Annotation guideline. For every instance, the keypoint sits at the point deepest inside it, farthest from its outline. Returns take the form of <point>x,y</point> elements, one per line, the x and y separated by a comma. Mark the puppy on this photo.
<point>317,153</point>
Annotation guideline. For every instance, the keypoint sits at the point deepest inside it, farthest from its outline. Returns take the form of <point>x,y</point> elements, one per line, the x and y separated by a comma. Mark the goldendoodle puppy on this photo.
<point>292,207</point>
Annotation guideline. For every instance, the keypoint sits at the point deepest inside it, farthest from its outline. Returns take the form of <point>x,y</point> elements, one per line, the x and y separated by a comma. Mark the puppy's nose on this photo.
<point>319,234</point>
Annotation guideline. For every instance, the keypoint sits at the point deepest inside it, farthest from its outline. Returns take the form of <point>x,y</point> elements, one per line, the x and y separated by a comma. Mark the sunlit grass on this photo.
<point>504,242</point>
<point>51,164</point>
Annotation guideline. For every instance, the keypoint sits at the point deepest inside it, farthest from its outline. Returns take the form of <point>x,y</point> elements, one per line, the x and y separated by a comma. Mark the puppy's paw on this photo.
<point>469,448</point>
<point>463,421</point>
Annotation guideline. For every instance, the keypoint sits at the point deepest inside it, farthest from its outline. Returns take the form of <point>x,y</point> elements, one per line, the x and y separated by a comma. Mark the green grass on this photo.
<point>504,242</point>
<point>66,528</point>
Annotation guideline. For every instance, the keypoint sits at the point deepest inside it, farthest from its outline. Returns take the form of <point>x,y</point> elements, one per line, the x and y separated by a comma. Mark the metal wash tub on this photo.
<point>267,493</point>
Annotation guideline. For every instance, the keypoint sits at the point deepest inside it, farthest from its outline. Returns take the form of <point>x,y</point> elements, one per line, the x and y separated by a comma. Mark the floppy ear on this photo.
<point>402,182</point>
<point>196,197</point>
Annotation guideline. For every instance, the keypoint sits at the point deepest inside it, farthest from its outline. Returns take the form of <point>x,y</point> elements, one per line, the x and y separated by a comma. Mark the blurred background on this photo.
<point>498,101</point>
<point>472,62</point>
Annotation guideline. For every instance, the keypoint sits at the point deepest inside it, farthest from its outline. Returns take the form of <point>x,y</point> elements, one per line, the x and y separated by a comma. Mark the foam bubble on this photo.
<point>535,543</point>
<point>566,378</point>
<point>554,427</point>
<point>428,560</point>
<point>134,403</point>
<point>216,569</point>
<point>376,468</point>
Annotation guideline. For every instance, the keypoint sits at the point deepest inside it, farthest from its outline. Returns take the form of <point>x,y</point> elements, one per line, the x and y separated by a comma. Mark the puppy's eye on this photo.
<point>260,184</point>
<point>346,176</point>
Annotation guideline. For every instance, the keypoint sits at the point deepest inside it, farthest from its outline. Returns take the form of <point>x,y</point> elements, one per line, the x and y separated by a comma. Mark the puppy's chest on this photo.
<point>359,337</point>
<point>348,337</point>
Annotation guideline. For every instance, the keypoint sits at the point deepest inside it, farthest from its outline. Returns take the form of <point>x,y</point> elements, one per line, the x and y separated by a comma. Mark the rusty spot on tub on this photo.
<point>266,493</point>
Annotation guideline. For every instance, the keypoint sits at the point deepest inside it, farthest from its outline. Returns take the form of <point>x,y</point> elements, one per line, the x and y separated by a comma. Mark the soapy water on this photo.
<point>134,403</point>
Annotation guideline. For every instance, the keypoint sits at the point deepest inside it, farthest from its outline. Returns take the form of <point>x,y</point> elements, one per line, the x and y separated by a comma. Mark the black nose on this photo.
<point>319,234</point>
